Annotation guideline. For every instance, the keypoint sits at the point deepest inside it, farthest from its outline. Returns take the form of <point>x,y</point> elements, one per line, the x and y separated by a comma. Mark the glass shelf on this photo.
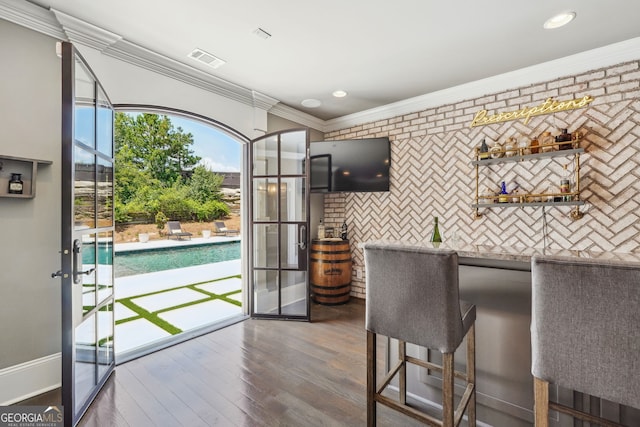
<point>525,204</point>
<point>526,157</point>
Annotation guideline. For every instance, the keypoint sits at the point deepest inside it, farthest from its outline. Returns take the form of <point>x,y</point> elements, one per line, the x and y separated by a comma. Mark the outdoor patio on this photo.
<point>153,306</point>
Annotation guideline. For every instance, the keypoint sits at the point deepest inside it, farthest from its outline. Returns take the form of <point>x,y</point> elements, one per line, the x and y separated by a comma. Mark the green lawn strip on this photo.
<point>222,297</point>
<point>151,317</point>
<point>128,319</point>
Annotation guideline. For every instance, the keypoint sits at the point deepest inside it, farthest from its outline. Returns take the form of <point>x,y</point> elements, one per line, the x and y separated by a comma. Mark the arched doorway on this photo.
<point>183,288</point>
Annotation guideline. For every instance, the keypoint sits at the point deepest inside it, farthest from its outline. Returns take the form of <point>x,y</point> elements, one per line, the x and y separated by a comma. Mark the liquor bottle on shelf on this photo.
<point>503,196</point>
<point>15,184</point>
<point>343,234</point>
<point>564,140</point>
<point>546,142</point>
<point>435,235</point>
<point>535,146</point>
<point>484,150</point>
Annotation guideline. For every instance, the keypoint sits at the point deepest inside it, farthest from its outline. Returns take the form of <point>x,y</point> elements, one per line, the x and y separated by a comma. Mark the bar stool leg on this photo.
<point>447,389</point>
<point>541,402</point>
<point>402,353</point>
<point>471,374</point>
<point>371,379</point>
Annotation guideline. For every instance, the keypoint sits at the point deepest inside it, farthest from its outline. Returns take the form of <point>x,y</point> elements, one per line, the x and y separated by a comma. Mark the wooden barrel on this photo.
<point>330,271</point>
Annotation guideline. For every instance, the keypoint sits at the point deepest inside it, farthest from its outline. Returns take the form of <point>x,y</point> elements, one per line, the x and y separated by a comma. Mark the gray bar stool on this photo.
<point>585,332</point>
<point>412,295</point>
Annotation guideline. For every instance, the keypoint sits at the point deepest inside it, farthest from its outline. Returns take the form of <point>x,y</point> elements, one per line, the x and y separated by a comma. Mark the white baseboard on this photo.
<point>20,382</point>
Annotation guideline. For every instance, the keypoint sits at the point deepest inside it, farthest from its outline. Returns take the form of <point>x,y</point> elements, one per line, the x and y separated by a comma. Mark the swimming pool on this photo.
<point>128,263</point>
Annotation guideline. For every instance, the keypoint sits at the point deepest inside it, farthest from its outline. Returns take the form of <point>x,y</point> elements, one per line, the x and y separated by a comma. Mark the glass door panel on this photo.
<point>104,192</point>
<point>293,293</point>
<point>293,149</point>
<point>265,157</point>
<point>280,231</point>
<point>293,195</point>
<point>104,123</point>
<point>265,246</point>
<point>85,361</point>
<point>87,288</point>
<point>104,266</point>
<point>265,199</point>
<point>84,189</point>
<point>87,230</point>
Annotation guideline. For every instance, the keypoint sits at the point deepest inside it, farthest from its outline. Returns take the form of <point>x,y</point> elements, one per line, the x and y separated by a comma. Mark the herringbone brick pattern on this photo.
<point>432,175</point>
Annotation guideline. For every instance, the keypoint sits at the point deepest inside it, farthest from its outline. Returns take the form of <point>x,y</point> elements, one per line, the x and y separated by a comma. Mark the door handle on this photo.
<point>302,237</point>
<point>77,262</point>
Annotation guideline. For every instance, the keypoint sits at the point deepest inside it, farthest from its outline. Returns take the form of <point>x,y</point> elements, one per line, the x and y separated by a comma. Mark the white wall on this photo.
<point>30,240</point>
<point>30,237</point>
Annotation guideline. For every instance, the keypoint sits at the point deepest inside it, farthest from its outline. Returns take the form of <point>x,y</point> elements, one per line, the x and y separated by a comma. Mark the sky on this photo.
<point>219,152</point>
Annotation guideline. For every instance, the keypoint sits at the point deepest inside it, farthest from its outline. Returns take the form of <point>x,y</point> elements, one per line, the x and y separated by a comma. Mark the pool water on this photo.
<point>149,260</point>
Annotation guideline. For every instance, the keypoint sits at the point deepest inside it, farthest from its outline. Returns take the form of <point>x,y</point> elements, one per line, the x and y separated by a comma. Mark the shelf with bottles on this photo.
<point>18,176</point>
<point>545,146</point>
<point>526,157</point>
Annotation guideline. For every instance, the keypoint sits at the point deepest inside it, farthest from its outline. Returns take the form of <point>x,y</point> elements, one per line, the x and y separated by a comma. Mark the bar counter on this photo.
<point>497,279</point>
<point>468,251</point>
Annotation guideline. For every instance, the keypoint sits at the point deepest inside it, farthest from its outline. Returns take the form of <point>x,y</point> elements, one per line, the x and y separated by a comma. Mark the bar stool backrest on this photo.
<point>412,295</point>
<point>585,329</point>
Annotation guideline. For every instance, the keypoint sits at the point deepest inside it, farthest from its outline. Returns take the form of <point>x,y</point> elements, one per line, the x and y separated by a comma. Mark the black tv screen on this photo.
<point>357,165</point>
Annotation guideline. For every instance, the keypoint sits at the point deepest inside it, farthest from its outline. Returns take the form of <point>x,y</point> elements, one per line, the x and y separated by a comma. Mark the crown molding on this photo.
<point>144,58</point>
<point>31,16</point>
<point>286,112</point>
<point>262,101</point>
<point>67,27</point>
<point>616,53</point>
<point>81,32</point>
<point>62,26</point>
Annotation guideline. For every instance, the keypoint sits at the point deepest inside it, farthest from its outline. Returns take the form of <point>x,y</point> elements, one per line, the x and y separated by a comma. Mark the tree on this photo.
<point>150,143</point>
<point>156,176</point>
<point>205,185</point>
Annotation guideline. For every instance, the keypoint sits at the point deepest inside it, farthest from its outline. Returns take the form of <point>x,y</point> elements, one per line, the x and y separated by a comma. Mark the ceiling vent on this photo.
<point>206,58</point>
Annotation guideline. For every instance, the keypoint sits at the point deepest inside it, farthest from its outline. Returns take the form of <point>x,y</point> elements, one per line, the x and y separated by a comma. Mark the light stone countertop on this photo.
<point>518,254</point>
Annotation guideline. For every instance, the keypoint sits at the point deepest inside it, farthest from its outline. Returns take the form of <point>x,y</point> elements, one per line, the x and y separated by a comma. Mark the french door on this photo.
<point>279,219</point>
<point>87,236</point>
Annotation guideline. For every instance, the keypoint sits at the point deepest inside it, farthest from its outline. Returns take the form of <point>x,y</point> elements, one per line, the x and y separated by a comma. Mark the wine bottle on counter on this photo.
<point>435,235</point>
<point>343,234</point>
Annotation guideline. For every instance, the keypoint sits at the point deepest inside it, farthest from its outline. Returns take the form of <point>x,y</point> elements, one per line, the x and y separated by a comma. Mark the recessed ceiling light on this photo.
<point>339,94</point>
<point>559,20</point>
<point>311,103</point>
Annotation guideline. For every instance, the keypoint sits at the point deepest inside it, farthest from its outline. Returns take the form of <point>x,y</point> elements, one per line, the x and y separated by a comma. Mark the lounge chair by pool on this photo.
<point>175,230</point>
<point>221,228</point>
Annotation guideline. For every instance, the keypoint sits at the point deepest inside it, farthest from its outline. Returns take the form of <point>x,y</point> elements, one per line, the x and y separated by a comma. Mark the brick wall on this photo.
<point>431,174</point>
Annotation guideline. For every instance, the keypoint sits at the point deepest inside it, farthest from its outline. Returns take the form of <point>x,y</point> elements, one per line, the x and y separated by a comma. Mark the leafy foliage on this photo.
<point>156,173</point>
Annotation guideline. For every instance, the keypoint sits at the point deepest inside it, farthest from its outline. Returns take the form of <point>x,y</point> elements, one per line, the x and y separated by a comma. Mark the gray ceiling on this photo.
<point>378,51</point>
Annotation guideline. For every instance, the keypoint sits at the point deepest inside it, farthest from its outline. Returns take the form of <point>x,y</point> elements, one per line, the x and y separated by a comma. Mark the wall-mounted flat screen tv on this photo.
<point>355,165</point>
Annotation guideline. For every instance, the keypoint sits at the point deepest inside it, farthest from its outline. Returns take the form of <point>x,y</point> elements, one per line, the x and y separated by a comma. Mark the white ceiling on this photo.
<point>379,51</point>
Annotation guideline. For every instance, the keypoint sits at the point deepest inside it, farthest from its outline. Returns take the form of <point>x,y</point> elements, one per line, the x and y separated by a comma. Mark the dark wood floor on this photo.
<point>253,373</point>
